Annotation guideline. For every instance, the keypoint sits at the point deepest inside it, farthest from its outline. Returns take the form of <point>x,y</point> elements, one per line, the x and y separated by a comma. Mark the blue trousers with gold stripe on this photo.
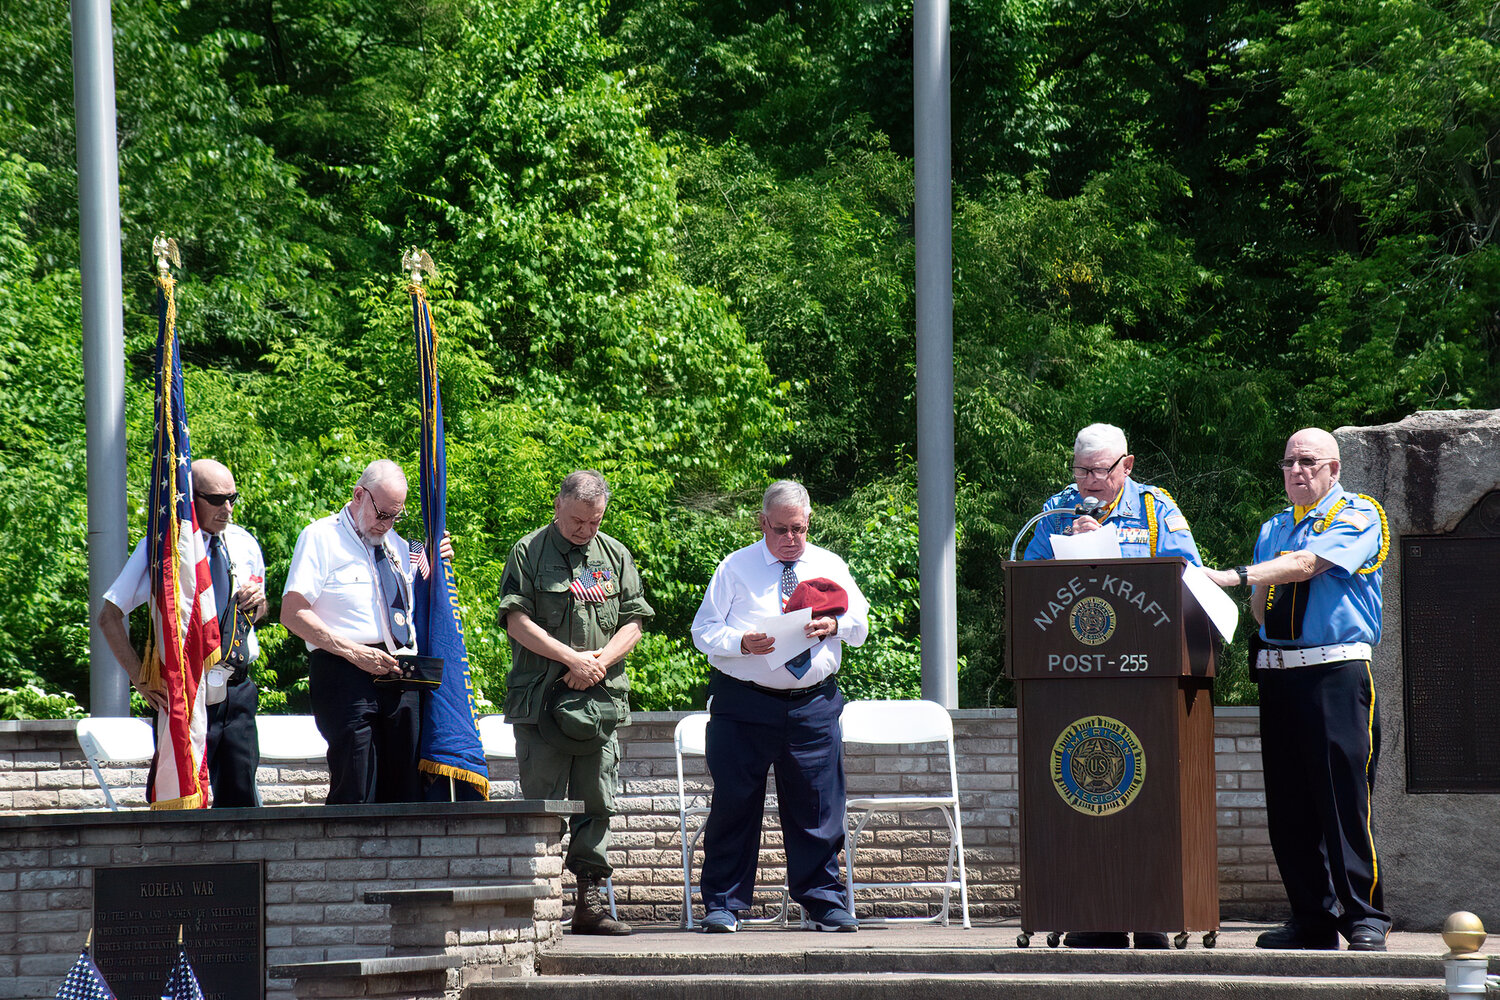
<point>1320,743</point>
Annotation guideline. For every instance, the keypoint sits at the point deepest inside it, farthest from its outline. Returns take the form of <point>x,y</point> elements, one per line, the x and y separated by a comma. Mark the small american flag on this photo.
<point>84,981</point>
<point>589,586</point>
<point>182,984</point>
<point>419,559</point>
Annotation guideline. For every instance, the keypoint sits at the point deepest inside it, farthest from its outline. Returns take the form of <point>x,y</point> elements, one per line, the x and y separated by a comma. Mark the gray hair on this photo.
<point>1100,437</point>
<point>587,485</point>
<point>786,493</point>
<point>379,471</point>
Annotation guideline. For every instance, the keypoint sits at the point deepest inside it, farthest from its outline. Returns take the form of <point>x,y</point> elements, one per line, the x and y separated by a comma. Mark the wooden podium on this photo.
<point>1113,664</point>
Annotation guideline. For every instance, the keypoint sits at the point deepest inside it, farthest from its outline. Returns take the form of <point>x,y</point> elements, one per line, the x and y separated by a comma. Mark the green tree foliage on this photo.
<point>676,243</point>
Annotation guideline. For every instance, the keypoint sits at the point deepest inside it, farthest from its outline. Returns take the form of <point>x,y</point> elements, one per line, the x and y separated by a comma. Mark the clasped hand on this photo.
<point>585,669</point>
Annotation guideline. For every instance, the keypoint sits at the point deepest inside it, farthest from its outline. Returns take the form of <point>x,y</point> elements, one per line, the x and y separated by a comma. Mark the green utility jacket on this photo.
<point>538,581</point>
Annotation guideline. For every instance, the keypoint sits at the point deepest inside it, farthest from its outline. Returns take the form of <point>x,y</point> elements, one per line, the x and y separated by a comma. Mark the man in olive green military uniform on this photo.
<point>571,602</point>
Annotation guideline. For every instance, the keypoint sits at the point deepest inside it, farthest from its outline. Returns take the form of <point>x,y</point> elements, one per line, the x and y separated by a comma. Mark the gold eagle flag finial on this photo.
<point>164,249</point>
<point>415,261</point>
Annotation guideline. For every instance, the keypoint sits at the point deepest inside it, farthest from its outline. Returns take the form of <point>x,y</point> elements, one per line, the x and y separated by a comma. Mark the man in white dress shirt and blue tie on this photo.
<point>766,712</point>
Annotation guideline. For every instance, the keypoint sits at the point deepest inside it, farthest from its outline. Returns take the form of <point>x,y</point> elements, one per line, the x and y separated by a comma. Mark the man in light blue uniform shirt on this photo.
<point>1317,596</point>
<point>1147,520</point>
<point>1147,523</point>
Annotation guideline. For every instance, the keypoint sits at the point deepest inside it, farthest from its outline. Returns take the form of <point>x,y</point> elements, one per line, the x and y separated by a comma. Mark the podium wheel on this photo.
<point>1023,940</point>
<point>1054,939</point>
<point>1210,939</point>
<point>1181,940</point>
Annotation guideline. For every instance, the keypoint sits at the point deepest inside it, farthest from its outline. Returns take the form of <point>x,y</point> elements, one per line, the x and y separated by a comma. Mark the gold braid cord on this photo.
<point>1326,522</point>
<point>1151,520</point>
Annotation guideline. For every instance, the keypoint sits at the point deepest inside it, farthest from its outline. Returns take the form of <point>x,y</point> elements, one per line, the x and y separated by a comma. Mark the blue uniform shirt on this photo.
<point>1173,536</point>
<point>1338,605</point>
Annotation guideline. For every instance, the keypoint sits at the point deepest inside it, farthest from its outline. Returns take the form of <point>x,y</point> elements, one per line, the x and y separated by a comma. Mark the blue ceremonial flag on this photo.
<point>84,982</point>
<point>182,984</point>
<point>450,735</point>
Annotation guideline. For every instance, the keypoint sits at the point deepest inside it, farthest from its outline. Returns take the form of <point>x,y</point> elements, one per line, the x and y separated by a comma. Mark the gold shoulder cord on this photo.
<point>1151,520</point>
<point>1327,522</point>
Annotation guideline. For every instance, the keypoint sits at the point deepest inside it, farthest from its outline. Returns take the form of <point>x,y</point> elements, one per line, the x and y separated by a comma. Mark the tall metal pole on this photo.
<point>935,482</point>
<point>103,333</point>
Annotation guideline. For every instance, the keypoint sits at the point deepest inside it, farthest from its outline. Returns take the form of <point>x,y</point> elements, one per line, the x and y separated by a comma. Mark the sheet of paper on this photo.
<point>790,638</point>
<point>1101,544</point>
<point>1221,609</point>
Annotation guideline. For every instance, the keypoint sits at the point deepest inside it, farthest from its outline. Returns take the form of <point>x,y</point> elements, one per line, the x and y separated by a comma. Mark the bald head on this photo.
<point>212,481</point>
<point>1310,466</point>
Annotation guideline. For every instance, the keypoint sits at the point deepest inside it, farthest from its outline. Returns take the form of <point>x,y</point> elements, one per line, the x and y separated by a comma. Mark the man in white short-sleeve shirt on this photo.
<point>348,596</point>
<point>239,574</point>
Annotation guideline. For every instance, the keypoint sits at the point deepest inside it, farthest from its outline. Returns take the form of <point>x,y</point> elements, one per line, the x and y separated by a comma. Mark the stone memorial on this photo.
<point>1436,805</point>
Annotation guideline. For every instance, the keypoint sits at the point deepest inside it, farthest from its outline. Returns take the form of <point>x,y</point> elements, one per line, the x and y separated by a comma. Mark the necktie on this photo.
<point>802,662</point>
<point>394,599</point>
<point>218,569</point>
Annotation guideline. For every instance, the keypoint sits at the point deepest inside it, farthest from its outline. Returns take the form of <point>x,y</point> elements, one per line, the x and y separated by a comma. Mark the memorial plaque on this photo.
<point>1450,596</point>
<point>219,908</point>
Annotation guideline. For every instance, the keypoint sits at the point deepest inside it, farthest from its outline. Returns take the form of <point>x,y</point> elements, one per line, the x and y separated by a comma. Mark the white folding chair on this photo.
<point>115,741</point>
<point>498,738</point>
<point>289,737</point>
<point>691,740</point>
<point>907,723</point>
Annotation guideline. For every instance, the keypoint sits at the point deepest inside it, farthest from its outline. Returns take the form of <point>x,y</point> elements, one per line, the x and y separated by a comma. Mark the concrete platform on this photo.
<point>908,961</point>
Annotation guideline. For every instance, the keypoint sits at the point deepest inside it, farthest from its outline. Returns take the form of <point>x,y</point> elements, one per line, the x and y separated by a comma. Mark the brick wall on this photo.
<point>41,768</point>
<point>319,862</point>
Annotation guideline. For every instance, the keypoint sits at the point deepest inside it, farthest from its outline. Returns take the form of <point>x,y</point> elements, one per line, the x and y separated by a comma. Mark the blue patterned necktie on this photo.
<point>802,662</point>
<point>218,569</point>
<point>395,599</point>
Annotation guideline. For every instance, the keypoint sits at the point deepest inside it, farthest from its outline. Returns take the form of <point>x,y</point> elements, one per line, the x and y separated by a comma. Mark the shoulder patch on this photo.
<point>1176,522</point>
<point>1355,518</point>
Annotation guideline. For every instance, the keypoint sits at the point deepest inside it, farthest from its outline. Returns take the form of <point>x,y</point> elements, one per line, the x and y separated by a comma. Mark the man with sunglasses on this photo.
<point>239,575</point>
<point>349,596</point>
<point>776,712</point>
<point>1316,580</point>
<point>1147,520</point>
<point>1147,523</point>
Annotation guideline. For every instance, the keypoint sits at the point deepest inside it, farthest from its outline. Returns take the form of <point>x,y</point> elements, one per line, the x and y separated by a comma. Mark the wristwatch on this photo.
<point>1244,572</point>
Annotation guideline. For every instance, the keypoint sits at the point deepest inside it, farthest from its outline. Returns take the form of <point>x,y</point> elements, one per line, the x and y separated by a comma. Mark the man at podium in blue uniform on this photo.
<point>1317,596</point>
<point>1145,518</point>
<point>1147,523</point>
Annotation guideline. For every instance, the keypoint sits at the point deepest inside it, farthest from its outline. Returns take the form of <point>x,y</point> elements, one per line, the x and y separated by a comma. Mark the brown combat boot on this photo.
<point>591,914</point>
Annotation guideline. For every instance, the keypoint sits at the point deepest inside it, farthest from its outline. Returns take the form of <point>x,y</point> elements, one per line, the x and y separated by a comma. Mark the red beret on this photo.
<point>822,595</point>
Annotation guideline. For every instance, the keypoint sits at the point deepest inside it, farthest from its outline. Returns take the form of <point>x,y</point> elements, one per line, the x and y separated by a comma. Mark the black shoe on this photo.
<point>1294,937</point>
<point>1366,939</point>
<point>1096,939</point>
<point>1151,939</point>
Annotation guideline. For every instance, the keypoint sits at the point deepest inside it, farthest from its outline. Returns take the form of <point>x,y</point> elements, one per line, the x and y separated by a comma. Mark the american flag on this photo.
<point>419,559</point>
<point>84,981</point>
<point>182,984</point>
<point>184,629</point>
<point>590,586</point>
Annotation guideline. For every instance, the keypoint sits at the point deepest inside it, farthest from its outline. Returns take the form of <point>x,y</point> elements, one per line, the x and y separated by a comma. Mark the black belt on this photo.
<point>786,694</point>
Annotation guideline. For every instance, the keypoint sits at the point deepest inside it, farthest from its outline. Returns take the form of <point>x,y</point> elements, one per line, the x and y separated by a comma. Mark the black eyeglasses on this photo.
<point>381,515</point>
<point>1082,472</point>
<point>219,499</point>
<point>1288,464</point>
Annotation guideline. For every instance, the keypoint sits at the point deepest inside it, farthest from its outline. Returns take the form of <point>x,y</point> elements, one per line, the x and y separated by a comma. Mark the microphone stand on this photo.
<point>1066,511</point>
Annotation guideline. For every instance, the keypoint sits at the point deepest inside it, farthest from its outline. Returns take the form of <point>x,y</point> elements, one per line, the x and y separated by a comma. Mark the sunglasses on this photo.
<point>219,499</point>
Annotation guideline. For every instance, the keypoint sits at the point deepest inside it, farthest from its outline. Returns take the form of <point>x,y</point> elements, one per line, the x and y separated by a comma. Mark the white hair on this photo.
<point>379,471</point>
<point>1100,437</point>
<point>786,493</point>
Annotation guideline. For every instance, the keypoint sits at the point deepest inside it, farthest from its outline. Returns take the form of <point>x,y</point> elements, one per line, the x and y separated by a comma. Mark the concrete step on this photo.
<point>968,986</point>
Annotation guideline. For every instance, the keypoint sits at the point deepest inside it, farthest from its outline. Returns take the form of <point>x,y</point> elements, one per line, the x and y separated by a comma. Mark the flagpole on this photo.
<point>103,335</point>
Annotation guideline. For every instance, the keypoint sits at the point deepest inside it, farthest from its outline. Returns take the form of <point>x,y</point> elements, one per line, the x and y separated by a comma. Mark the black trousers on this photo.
<point>749,732</point>
<point>372,731</point>
<point>233,750</point>
<point>1320,743</point>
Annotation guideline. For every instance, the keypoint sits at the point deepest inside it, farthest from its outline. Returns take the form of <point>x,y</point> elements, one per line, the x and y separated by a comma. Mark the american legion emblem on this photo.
<point>1098,766</point>
<point>1093,621</point>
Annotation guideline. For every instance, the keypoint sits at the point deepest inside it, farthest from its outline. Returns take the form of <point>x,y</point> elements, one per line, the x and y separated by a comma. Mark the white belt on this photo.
<point>1272,658</point>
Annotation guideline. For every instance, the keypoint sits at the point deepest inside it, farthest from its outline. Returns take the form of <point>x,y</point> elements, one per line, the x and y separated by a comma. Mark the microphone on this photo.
<point>1088,507</point>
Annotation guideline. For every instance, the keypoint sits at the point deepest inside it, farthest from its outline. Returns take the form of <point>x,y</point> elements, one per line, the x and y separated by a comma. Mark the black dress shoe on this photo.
<point>1096,939</point>
<point>1294,937</point>
<point>1151,939</point>
<point>1366,939</point>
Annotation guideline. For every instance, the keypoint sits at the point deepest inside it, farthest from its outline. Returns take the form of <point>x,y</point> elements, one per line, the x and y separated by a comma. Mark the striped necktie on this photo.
<point>802,662</point>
